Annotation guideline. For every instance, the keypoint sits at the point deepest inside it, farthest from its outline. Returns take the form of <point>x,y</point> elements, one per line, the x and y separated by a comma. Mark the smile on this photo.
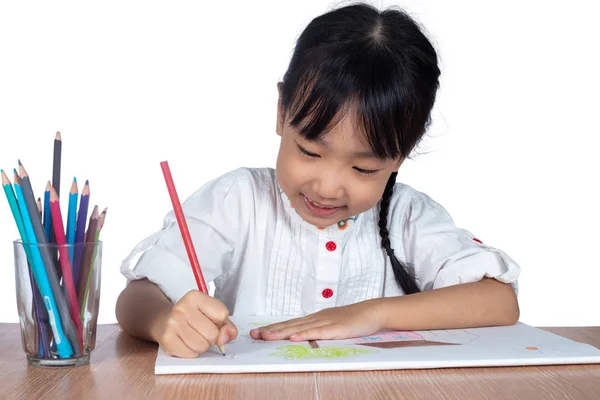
<point>321,210</point>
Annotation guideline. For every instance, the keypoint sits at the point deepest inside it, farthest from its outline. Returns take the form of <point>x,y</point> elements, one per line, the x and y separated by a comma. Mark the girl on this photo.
<point>328,236</point>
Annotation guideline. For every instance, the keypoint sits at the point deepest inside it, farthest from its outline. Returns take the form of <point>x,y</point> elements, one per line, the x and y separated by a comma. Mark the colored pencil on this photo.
<point>56,162</point>
<point>39,208</point>
<point>61,302</point>
<point>87,255</point>
<point>80,230</point>
<point>40,313</point>
<point>40,273</point>
<point>101,220</point>
<point>47,212</point>
<point>185,233</point>
<point>68,284</point>
<point>72,216</point>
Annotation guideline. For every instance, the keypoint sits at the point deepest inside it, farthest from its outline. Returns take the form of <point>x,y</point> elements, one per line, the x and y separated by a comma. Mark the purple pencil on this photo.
<point>42,318</point>
<point>80,230</point>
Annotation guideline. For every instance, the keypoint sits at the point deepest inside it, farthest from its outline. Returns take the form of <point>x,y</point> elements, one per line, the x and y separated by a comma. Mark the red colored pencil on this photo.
<point>65,264</point>
<point>185,233</point>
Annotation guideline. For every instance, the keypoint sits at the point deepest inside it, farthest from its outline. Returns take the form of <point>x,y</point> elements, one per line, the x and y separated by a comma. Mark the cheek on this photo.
<point>365,195</point>
<point>291,169</point>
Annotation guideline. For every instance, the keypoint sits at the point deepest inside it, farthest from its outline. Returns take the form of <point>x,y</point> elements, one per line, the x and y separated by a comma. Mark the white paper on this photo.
<point>519,344</point>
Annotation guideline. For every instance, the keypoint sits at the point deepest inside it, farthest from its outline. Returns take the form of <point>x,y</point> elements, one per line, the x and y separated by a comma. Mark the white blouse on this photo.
<point>264,259</point>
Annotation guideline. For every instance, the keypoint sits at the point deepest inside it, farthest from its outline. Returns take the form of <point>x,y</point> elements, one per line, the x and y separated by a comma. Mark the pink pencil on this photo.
<point>65,264</point>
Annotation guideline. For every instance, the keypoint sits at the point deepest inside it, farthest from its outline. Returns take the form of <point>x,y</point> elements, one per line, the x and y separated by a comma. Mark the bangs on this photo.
<point>364,86</point>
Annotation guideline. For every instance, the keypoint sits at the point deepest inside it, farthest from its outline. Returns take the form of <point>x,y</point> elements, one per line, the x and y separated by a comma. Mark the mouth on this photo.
<point>319,209</point>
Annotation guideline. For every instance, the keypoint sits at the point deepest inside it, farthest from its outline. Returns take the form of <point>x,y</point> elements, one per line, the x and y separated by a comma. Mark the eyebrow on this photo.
<point>355,154</point>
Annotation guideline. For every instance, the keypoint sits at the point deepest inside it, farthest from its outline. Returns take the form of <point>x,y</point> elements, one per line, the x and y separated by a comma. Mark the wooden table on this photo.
<point>123,368</point>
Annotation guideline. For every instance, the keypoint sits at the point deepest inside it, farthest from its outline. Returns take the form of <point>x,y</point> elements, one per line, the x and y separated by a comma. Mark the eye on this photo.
<point>306,152</point>
<point>366,171</point>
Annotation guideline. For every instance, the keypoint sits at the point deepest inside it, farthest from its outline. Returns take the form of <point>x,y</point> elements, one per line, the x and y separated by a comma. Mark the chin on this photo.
<point>321,222</point>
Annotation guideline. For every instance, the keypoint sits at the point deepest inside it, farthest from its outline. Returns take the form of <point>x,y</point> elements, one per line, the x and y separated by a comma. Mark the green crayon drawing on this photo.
<point>303,352</point>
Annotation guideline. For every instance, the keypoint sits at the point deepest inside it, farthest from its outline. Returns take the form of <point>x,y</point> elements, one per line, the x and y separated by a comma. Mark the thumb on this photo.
<point>227,332</point>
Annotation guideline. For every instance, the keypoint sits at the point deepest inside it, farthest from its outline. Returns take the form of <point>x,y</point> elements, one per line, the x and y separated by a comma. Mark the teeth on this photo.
<point>319,206</point>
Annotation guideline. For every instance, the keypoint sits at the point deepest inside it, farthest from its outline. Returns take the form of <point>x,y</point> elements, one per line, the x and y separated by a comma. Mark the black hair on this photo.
<point>380,64</point>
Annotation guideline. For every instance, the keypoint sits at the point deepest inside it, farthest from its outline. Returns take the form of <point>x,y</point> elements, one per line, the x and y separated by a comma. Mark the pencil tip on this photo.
<point>19,162</point>
<point>75,179</point>
<point>87,182</point>
<point>58,137</point>
<point>48,186</point>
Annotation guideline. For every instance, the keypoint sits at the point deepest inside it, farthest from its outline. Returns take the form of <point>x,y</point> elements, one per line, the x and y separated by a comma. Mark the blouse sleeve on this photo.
<point>441,253</point>
<point>215,219</point>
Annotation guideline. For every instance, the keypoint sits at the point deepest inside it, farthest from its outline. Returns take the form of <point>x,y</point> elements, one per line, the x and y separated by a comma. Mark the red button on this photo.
<point>331,246</point>
<point>477,240</point>
<point>327,293</point>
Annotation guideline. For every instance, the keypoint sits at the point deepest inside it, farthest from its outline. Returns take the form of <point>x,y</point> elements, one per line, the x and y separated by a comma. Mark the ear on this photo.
<point>280,113</point>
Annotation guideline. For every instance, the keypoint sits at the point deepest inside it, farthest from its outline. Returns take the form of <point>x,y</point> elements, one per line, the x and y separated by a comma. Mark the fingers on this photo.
<point>172,343</point>
<point>324,332</point>
<point>227,333</point>
<point>212,308</point>
<point>258,332</point>
<point>287,331</point>
<point>194,340</point>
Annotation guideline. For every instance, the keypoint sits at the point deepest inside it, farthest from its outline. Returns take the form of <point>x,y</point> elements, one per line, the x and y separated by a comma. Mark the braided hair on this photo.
<point>403,273</point>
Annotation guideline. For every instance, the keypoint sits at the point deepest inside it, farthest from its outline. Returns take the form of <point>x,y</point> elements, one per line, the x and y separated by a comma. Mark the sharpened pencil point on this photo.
<point>87,182</point>
<point>5,180</point>
<point>58,137</point>
<point>75,179</point>
<point>222,348</point>
<point>19,162</point>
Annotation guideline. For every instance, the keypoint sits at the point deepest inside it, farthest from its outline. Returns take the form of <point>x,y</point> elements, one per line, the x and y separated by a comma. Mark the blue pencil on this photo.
<point>72,216</point>
<point>64,347</point>
<point>80,230</point>
<point>47,212</point>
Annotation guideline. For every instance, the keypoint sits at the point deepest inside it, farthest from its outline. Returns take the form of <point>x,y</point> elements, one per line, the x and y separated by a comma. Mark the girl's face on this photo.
<point>333,178</point>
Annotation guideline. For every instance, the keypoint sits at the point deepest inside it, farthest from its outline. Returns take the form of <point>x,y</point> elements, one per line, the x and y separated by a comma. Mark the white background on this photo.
<point>511,154</point>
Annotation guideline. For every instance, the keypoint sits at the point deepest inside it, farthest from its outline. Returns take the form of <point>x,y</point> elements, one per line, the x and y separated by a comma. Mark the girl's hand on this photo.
<point>194,324</point>
<point>356,320</point>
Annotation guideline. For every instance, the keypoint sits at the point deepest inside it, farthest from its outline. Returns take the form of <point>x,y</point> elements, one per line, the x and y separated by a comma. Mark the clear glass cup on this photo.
<point>58,298</point>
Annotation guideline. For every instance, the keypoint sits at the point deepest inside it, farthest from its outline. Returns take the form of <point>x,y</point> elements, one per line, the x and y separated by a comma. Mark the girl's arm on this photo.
<point>484,303</point>
<point>141,308</point>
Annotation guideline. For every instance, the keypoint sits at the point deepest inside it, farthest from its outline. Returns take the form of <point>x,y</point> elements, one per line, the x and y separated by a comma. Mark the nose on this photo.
<point>330,186</point>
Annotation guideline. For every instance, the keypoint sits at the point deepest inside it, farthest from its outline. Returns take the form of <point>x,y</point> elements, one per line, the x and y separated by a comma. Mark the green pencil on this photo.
<point>96,239</point>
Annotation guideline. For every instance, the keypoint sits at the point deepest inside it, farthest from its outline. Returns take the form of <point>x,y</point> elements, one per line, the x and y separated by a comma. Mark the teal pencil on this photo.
<point>72,217</point>
<point>61,301</point>
<point>64,347</point>
<point>41,316</point>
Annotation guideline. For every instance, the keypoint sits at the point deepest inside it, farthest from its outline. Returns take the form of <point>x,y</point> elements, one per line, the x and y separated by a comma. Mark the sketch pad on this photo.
<point>481,347</point>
